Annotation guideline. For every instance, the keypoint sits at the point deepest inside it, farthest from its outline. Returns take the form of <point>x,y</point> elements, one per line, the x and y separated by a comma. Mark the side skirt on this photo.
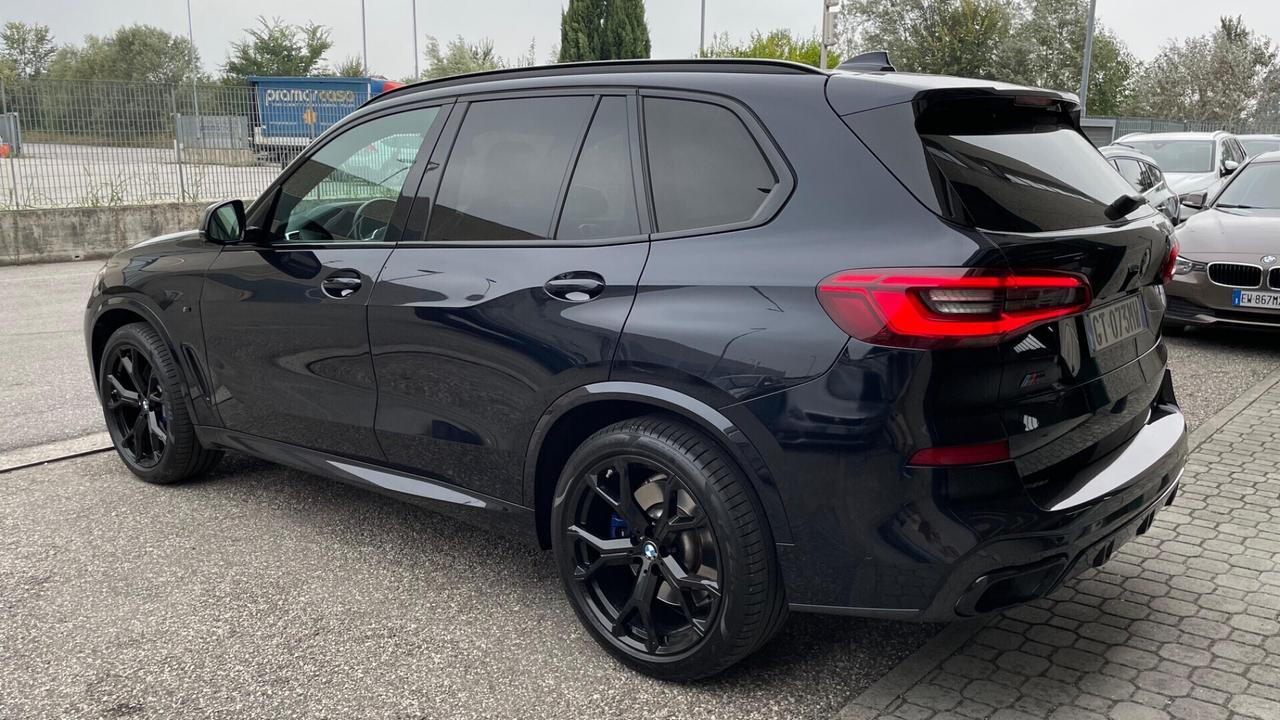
<point>472,507</point>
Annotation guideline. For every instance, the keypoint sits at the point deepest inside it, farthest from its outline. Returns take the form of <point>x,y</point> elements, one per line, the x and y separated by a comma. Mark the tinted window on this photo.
<point>601,202</point>
<point>347,190</point>
<point>1151,176</point>
<point>1131,171</point>
<point>704,166</point>
<point>1258,186</point>
<point>506,169</point>
<point>1177,156</point>
<point>1028,181</point>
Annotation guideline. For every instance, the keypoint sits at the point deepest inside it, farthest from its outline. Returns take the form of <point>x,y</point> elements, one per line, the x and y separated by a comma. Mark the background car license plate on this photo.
<point>1120,320</point>
<point>1255,298</point>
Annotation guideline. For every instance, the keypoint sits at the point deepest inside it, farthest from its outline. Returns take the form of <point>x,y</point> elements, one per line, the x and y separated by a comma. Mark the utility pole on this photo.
<point>702,31</point>
<point>1088,60</point>
<point>829,8</point>
<point>364,39</point>
<point>195,98</point>
<point>416,72</point>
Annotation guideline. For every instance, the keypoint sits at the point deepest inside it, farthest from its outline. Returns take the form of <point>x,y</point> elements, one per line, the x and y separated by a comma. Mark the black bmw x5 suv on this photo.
<point>729,338</point>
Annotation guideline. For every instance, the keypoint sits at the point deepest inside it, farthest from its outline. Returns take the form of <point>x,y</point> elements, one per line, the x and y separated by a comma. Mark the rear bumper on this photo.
<point>875,537</point>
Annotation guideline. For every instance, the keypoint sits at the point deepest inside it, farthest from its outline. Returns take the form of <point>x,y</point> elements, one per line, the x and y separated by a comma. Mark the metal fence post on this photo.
<point>177,143</point>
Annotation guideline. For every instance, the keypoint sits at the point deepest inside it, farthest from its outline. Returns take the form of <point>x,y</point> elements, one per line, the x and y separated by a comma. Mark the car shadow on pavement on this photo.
<point>814,654</point>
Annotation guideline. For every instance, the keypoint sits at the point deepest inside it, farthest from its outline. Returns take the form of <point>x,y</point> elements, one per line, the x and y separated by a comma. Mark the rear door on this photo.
<point>512,283</point>
<point>284,315</point>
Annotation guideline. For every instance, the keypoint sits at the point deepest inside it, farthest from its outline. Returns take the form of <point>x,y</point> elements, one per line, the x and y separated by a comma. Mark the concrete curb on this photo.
<point>52,452</point>
<point>873,701</point>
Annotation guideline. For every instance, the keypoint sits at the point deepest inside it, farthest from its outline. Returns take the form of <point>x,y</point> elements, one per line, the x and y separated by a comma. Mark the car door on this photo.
<point>1158,192</point>
<point>511,285</point>
<point>284,311</point>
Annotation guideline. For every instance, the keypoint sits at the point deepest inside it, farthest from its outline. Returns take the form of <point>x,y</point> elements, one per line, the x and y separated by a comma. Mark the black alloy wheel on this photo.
<point>135,405</point>
<point>647,559</point>
<point>662,550</point>
<point>141,388</point>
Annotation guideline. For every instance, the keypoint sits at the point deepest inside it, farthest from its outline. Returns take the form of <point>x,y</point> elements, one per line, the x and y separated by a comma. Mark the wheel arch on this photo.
<point>123,310</point>
<point>579,413</point>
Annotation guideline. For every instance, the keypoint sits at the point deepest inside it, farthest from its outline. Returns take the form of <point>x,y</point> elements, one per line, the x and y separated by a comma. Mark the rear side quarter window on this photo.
<point>707,169</point>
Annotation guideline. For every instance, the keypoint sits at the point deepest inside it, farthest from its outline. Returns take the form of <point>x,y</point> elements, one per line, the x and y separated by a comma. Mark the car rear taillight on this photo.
<point>947,307</point>
<point>1171,262</point>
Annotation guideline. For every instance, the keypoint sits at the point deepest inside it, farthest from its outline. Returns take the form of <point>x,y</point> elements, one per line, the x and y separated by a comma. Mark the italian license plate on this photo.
<point>1115,323</point>
<point>1256,298</point>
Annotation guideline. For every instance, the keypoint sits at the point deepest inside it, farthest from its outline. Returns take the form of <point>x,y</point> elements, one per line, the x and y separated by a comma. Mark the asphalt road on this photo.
<point>262,592</point>
<point>46,392</point>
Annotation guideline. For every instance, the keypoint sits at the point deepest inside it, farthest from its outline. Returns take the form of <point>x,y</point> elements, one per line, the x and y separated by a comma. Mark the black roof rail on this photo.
<point>876,61</point>
<point>597,67</point>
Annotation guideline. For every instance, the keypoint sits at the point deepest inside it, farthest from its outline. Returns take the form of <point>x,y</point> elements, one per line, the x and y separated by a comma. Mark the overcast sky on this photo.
<point>673,24</point>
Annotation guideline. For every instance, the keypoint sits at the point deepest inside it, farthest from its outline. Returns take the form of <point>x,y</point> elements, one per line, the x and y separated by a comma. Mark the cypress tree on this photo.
<point>626,34</point>
<point>603,30</point>
<point>581,30</point>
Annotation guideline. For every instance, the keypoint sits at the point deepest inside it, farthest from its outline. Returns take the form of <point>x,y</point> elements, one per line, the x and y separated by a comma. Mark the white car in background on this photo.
<point>1257,145</point>
<point>1192,162</point>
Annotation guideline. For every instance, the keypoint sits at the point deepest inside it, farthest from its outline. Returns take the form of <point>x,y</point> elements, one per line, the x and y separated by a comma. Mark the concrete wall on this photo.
<point>34,236</point>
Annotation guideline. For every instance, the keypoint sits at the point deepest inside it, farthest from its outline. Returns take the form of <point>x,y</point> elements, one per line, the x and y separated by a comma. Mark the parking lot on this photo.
<point>261,592</point>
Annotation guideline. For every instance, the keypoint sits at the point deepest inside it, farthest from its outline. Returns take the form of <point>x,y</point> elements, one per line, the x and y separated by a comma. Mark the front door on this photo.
<point>284,312</point>
<point>516,287</point>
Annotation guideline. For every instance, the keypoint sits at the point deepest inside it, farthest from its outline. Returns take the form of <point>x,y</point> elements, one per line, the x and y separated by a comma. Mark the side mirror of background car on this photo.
<point>1195,200</point>
<point>224,222</point>
<point>1229,167</point>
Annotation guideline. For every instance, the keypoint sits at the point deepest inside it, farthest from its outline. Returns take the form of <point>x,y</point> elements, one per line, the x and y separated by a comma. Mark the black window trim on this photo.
<point>264,204</point>
<point>768,147</point>
<point>429,184</point>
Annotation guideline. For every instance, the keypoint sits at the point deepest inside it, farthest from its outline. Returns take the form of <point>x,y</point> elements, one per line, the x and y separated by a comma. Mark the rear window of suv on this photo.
<point>992,164</point>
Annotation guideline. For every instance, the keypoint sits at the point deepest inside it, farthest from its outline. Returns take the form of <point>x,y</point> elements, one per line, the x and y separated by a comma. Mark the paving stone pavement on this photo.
<point>1184,622</point>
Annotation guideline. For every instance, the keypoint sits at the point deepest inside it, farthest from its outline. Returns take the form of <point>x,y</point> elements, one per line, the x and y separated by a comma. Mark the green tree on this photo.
<point>459,57</point>
<point>1227,76</point>
<point>778,44</point>
<point>948,37</point>
<point>626,34</point>
<point>603,30</point>
<point>351,66</point>
<point>27,49</point>
<point>279,48</point>
<point>581,30</point>
<point>1046,49</point>
<point>140,53</point>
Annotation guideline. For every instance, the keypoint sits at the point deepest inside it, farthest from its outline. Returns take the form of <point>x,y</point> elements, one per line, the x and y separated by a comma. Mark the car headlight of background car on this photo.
<point>1185,266</point>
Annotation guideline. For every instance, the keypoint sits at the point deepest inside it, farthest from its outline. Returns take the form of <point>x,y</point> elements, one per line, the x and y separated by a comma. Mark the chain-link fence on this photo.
<point>94,143</point>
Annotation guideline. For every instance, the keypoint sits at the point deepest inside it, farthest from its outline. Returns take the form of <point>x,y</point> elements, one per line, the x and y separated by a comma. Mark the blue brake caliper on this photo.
<point>617,528</point>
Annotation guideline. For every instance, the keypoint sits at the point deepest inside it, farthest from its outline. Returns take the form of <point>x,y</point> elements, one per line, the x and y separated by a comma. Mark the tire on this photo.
<point>152,430</point>
<point>715,595</point>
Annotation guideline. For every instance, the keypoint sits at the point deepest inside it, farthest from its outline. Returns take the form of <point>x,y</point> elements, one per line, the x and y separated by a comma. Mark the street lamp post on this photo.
<point>829,8</point>
<point>416,72</point>
<point>195,98</point>
<point>702,31</point>
<point>364,39</point>
<point>1088,59</point>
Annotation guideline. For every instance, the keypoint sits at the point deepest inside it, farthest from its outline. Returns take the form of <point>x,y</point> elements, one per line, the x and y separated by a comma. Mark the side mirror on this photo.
<point>1229,167</point>
<point>1195,201</point>
<point>224,222</point>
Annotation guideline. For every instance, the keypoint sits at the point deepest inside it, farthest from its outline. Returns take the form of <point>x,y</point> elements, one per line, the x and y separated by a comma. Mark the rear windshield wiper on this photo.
<point>1123,205</point>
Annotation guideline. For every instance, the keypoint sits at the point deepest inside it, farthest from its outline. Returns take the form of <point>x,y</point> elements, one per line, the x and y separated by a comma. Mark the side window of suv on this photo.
<point>347,190</point>
<point>601,201</point>
<point>705,167</point>
<point>506,168</point>
<point>1151,177</point>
